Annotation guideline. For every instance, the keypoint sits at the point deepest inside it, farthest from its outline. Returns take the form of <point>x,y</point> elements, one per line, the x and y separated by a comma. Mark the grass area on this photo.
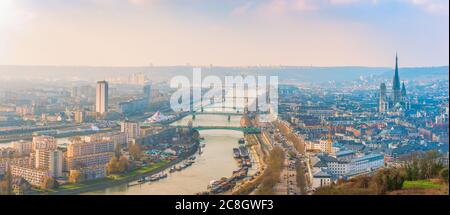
<point>140,171</point>
<point>72,186</point>
<point>110,178</point>
<point>420,184</point>
<point>84,184</point>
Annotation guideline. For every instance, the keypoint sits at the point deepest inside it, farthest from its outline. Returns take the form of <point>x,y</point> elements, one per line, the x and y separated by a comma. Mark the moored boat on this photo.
<point>236,153</point>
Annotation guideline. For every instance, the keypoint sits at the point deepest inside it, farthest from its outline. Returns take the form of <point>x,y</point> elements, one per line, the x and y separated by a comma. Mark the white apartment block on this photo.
<point>101,99</point>
<point>44,143</point>
<point>77,162</point>
<point>351,167</point>
<point>32,175</point>
<point>22,147</point>
<point>21,161</point>
<point>94,146</point>
<point>132,129</point>
<point>51,160</point>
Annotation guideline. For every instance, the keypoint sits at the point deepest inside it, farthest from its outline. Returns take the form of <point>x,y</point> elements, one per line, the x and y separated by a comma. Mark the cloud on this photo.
<point>343,2</point>
<point>242,9</point>
<point>141,2</point>
<point>437,7</point>
<point>129,2</point>
<point>285,6</point>
<point>304,5</point>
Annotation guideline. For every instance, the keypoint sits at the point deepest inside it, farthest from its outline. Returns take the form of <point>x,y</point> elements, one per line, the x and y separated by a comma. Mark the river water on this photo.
<point>215,162</point>
<point>210,120</point>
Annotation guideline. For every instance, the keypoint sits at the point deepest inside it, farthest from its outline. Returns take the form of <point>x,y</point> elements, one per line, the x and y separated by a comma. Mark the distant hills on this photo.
<point>287,74</point>
<point>423,72</point>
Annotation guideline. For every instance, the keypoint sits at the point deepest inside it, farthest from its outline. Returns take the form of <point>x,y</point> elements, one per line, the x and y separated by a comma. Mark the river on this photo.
<point>215,162</point>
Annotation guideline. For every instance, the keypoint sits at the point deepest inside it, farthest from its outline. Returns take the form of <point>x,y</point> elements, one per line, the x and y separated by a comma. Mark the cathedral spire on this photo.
<point>396,82</point>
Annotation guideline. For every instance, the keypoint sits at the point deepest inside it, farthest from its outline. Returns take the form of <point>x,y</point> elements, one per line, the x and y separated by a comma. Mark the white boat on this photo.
<point>159,117</point>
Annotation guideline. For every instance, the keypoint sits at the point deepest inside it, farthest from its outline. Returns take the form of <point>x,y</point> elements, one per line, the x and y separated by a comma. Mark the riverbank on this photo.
<point>92,186</point>
<point>256,150</point>
<point>215,162</point>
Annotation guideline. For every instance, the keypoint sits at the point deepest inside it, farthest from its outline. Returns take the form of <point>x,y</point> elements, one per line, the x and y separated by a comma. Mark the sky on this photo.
<point>224,32</point>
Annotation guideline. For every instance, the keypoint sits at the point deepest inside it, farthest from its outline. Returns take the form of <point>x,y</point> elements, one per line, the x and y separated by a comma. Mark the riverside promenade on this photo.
<point>114,182</point>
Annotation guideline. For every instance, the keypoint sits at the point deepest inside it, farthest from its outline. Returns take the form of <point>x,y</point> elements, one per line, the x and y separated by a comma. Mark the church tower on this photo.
<point>403,90</point>
<point>383,99</point>
<point>406,102</point>
<point>396,84</point>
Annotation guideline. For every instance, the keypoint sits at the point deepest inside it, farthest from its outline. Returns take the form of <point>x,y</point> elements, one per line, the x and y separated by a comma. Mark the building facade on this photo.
<point>97,152</point>
<point>79,117</point>
<point>132,129</point>
<point>22,147</point>
<point>51,160</point>
<point>44,143</point>
<point>102,97</point>
<point>349,167</point>
<point>148,92</point>
<point>34,176</point>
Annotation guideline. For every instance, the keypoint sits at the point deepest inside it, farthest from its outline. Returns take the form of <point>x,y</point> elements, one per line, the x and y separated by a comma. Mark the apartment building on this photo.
<point>51,160</point>
<point>22,147</point>
<point>96,152</point>
<point>32,175</point>
<point>44,143</point>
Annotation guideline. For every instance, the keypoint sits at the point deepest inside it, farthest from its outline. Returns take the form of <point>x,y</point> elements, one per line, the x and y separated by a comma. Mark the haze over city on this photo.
<point>224,33</point>
<point>224,97</point>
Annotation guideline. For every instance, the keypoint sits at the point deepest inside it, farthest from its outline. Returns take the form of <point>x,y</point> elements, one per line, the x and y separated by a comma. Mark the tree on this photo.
<point>363,182</point>
<point>49,183</point>
<point>190,125</point>
<point>444,174</point>
<point>136,151</point>
<point>118,150</point>
<point>195,136</point>
<point>272,173</point>
<point>423,166</point>
<point>6,184</point>
<point>3,188</point>
<point>117,165</point>
<point>387,180</point>
<point>76,176</point>
<point>123,164</point>
<point>75,139</point>
<point>112,165</point>
<point>412,170</point>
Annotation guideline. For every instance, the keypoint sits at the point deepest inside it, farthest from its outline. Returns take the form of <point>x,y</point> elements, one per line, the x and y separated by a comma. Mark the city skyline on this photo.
<point>234,97</point>
<point>231,33</point>
<point>314,139</point>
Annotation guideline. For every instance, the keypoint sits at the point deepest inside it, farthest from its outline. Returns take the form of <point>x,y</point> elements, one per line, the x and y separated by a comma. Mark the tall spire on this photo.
<point>396,82</point>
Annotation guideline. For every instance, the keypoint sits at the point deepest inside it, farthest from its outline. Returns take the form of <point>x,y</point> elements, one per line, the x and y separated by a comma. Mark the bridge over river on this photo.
<point>246,130</point>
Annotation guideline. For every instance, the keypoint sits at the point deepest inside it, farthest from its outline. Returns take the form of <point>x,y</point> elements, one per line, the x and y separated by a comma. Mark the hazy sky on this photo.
<point>225,32</point>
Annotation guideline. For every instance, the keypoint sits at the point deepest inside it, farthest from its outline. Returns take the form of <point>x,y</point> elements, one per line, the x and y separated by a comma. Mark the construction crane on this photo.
<point>329,147</point>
